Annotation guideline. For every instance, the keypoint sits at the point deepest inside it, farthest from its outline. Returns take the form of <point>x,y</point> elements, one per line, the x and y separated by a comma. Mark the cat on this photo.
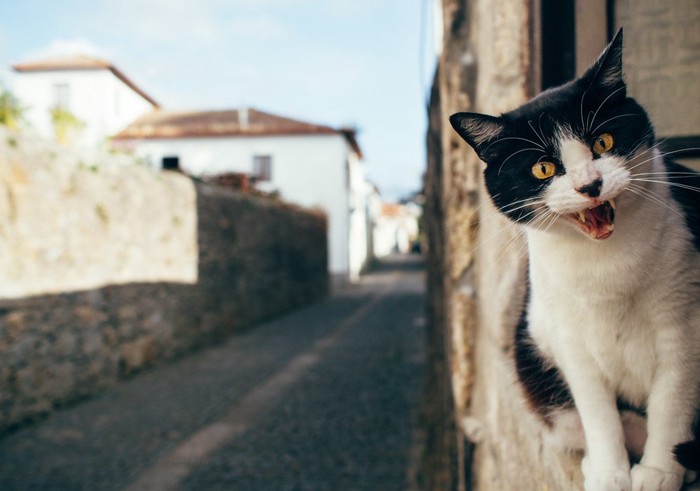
<point>607,351</point>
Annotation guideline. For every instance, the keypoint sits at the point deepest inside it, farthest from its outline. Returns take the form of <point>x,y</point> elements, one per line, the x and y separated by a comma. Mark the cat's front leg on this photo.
<point>670,410</point>
<point>606,465</point>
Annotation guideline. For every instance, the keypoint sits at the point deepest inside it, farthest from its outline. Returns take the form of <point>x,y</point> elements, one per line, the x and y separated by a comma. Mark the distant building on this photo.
<point>94,91</point>
<point>308,164</point>
<point>396,229</point>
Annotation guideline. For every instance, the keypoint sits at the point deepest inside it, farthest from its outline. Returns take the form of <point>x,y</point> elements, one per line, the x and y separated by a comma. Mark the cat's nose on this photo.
<point>592,189</point>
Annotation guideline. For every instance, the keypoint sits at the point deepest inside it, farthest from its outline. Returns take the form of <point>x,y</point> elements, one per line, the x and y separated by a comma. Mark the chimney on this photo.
<point>243,118</point>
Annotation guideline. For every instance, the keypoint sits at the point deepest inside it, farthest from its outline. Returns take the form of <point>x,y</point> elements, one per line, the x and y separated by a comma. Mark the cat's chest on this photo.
<point>601,309</point>
<point>614,338</point>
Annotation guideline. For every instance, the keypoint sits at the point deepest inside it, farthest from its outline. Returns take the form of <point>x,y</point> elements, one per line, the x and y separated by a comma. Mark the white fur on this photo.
<point>620,316</point>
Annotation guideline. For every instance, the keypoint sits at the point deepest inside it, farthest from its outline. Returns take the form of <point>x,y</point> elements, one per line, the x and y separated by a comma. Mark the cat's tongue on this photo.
<point>598,222</point>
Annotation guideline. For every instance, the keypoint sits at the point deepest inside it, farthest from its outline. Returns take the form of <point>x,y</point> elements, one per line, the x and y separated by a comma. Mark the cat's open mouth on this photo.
<point>597,222</point>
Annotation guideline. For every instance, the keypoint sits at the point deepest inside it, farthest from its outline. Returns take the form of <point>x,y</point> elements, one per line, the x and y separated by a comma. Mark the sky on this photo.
<point>340,63</point>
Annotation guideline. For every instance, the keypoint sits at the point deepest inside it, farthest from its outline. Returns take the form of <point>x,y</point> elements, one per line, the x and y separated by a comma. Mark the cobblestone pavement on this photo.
<point>322,399</point>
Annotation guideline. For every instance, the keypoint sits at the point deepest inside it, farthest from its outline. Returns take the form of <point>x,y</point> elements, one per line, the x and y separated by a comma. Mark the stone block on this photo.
<point>138,354</point>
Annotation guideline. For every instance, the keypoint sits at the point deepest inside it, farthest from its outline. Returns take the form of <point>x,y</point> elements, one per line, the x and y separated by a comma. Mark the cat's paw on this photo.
<point>607,481</point>
<point>604,480</point>
<point>650,479</point>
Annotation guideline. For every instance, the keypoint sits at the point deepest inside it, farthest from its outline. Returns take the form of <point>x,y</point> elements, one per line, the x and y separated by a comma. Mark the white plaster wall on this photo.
<point>309,170</point>
<point>394,234</point>
<point>359,211</point>
<point>93,100</point>
<point>121,105</point>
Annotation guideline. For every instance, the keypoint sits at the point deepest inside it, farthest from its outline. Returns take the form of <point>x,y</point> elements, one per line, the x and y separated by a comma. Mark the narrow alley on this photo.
<point>325,398</point>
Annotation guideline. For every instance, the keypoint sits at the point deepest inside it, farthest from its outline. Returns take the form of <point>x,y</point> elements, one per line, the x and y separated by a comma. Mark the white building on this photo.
<point>308,164</point>
<point>396,229</point>
<point>92,90</point>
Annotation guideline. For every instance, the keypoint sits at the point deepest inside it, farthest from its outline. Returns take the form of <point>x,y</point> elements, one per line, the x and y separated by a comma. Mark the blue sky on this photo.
<point>335,62</point>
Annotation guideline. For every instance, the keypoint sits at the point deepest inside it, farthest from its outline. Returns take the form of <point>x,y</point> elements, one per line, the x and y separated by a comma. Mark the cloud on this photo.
<point>258,28</point>
<point>166,21</point>
<point>65,47</point>
<point>352,8</point>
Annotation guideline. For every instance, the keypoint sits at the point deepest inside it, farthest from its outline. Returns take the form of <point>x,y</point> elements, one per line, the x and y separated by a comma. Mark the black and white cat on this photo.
<point>608,348</point>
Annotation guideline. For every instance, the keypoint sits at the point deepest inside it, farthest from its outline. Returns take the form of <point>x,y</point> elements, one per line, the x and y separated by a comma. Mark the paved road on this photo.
<point>322,399</point>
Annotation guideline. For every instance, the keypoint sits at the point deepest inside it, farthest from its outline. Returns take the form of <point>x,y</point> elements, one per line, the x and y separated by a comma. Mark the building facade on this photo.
<point>100,98</point>
<point>88,102</point>
<point>307,164</point>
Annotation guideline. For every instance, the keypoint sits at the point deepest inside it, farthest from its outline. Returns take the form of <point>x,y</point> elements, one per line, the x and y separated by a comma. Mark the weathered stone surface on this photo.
<point>253,259</point>
<point>75,219</point>
<point>476,268</point>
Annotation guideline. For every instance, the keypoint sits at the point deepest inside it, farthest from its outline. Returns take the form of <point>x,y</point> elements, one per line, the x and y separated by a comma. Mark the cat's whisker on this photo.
<point>546,217</point>
<point>677,184</point>
<point>537,223</point>
<point>516,153</point>
<point>661,155</point>
<point>552,221</point>
<point>523,251</point>
<point>514,138</point>
<point>646,194</point>
<point>539,137</point>
<point>604,101</point>
<point>665,173</point>
<point>526,202</point>
<point>643,140</point>
<point>589,122</point>
<point>518,235</point>
<point>512,208</point>
<point>539,125</point>
<point>611,119</point>
<point>484,241</point>
<point>583,125</point>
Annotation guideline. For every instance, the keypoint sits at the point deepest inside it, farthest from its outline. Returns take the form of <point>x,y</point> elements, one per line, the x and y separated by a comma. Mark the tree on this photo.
<point>11,111</point>
<point>65,124</point>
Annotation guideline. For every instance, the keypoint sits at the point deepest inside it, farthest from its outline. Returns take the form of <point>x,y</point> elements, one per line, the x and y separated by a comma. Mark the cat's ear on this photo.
<point>477,129</point>
<point>606,72</point>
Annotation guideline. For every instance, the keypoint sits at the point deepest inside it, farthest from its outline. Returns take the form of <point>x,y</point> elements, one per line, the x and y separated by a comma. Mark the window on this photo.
<point>262,167</point>
<point>558,42</point>
<point>61,96</point>
<point>171,163</point>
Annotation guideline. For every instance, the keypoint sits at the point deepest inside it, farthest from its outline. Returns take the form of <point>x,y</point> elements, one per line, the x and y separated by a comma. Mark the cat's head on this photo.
<point>565,155</point>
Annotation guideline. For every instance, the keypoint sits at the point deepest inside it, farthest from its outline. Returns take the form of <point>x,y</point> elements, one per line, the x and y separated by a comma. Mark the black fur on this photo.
<point>688,453</point>
<point>685,184</point>
<point>545,389</point>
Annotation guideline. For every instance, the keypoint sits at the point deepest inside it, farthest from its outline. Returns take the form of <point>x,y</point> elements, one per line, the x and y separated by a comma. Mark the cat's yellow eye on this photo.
<point>602,143</point>
<point>544,170</point>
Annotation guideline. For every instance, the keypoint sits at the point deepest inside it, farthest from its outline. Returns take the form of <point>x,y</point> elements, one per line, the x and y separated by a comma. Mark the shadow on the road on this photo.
<point>398,263</point>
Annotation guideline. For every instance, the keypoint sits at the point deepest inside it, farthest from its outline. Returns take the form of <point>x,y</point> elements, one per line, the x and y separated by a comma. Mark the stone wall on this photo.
<point>253,258</point>
<point>476,268</point>
<point>74,219</point>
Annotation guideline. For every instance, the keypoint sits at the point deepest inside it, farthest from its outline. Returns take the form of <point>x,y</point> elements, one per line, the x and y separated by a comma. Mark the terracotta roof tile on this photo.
<point>393,210</point>
<point>243,122</point>
<point>80,62</point>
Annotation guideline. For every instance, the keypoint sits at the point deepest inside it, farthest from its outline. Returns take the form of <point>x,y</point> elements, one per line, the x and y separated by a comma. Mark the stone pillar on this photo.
<point>477,263</point>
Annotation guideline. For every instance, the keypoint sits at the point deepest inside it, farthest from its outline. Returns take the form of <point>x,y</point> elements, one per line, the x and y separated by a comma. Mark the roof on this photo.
<point>393,210</point>
<point>80,62</point>
<point>161,124</point>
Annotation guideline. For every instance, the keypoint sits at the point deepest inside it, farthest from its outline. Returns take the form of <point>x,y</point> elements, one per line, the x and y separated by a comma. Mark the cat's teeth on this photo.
<point>612,203</point>
<point>582,216</point>
<point>610,227</point>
